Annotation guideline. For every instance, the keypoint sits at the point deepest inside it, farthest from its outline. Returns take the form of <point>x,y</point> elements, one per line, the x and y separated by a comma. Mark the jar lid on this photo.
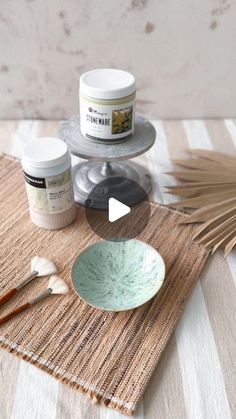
<point>107,83</point>
<point>45,152</point>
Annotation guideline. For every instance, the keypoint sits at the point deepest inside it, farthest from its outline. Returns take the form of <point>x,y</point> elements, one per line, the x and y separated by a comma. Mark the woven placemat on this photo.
<point>108,356</point>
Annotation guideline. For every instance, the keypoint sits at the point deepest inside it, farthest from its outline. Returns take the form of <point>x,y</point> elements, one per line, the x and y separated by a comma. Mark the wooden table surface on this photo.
<point>196,378</point>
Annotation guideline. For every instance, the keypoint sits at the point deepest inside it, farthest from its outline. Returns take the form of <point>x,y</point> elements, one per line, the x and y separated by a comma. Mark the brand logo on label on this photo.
<point>91,110</point>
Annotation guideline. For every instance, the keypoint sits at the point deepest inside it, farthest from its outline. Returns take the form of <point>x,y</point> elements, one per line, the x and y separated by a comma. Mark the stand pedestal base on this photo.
<point>89,174</point>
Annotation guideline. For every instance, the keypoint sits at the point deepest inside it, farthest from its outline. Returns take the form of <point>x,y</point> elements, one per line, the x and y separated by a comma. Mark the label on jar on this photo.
<point>106,121</point>
<point>50,195</point>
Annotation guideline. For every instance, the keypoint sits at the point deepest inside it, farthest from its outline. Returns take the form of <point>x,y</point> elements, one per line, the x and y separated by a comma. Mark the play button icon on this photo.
<point>116,210</point>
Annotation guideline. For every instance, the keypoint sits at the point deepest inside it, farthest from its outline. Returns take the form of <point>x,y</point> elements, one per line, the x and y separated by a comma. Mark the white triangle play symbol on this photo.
<point>116,210</point>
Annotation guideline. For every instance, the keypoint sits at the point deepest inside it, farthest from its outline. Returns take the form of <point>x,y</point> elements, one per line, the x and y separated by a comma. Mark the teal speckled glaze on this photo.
<point>118,276</point>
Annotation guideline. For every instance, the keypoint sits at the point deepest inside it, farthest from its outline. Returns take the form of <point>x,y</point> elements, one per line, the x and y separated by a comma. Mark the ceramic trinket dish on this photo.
<point>117,276</point>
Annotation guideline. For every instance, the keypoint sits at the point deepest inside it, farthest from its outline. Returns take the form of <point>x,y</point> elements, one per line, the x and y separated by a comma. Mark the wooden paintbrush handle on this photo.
<point>14,313</point>
<point>7,295</point>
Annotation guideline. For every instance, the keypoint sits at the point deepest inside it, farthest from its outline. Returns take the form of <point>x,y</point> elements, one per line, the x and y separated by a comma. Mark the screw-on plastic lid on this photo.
<point>107,83</point>
<point>45,152</point>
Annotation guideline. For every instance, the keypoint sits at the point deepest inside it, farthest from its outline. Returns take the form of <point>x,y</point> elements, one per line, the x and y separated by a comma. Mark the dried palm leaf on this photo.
<point>201,164</point>
<point>201,200</point>
<point>203,176</point>
<point>205,237</point>
<point>213,225</point>
<point>209,186</point>
<point>220,238</point>
<point>210,211</point>
<point>193,191</point>
<point>213,156</point>
<point>230,244</point>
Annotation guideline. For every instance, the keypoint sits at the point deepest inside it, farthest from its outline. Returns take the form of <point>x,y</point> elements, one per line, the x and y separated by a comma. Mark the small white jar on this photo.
<point>47,169</point>
<point>107,105</point>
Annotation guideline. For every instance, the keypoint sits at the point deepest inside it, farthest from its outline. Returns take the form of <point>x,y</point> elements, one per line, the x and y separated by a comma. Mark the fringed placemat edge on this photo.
<point>90,391</point>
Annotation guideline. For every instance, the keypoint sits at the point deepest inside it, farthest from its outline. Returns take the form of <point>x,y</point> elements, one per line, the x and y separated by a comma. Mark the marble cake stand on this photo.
<point>109,160</point>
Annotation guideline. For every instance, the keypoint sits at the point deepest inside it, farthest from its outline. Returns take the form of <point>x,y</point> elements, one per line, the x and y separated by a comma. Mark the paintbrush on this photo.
<point>55,286</point>
<point>40,266</point>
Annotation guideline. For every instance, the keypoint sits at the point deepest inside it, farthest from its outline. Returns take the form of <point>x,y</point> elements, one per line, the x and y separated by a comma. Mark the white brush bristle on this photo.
<point>43,266</point>
<point>57,285</point>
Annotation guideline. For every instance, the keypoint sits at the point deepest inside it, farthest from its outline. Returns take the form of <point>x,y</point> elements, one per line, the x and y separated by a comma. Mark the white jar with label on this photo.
<point>47,170</point>
<point>107,105</point>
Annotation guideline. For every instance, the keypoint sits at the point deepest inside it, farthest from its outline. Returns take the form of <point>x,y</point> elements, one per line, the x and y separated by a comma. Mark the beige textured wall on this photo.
<point>182,53</point>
